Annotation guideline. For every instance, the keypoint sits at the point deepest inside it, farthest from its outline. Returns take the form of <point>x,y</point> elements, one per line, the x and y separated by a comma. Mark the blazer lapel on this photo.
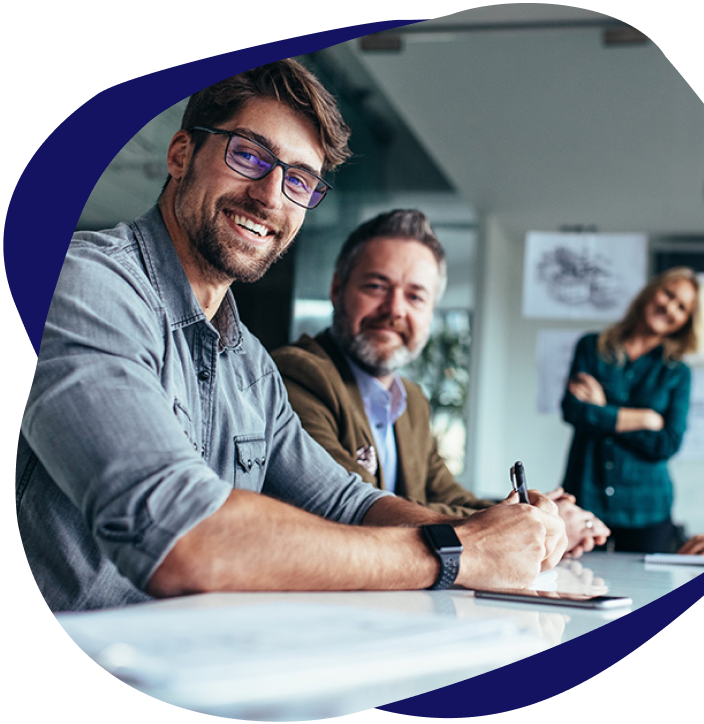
<point>326,341</point>
<point>406,455</point>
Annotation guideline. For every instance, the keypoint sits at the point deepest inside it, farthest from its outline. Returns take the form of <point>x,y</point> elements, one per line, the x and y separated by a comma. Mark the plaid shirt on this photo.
<point>623,477</point>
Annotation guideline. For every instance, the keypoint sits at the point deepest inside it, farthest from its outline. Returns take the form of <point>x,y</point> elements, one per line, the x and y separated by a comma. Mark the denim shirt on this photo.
<point>623,477</point>
<point>142,418</point>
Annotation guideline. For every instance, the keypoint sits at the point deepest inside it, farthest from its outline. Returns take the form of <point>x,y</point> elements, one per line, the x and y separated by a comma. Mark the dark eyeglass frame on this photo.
<point>322,188</point>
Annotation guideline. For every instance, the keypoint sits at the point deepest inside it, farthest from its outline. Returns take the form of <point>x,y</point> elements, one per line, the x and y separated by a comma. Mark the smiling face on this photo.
<point>670,307</point>
<point>383,312</point>
<point>228,227</point>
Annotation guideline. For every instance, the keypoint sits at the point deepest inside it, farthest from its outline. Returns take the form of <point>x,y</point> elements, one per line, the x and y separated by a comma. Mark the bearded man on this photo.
<point>346,388</point>
<point>159,455</point>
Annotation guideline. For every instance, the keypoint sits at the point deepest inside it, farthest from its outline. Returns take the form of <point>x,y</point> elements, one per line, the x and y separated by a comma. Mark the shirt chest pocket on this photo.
<point>250,462</point>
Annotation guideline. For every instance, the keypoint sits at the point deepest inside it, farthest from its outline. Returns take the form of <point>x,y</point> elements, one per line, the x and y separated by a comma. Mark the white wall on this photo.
<point>539,129</point>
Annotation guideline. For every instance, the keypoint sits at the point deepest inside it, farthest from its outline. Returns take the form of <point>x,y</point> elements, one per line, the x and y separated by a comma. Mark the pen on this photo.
<point>518,481</point>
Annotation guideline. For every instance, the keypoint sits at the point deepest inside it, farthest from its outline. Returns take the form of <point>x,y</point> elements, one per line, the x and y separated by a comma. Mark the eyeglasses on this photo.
<point>254,161</point>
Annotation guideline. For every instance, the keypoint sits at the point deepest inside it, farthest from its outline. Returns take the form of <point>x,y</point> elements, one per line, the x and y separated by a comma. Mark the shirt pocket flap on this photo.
<point>250,451</point>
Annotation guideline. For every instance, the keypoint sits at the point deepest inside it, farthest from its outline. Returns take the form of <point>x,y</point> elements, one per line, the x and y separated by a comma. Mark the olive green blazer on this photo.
<point>324,394</point>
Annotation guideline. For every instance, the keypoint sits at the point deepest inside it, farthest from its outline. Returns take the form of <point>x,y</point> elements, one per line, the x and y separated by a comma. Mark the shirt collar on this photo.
<point>373,391</point>
<point>168,277</point>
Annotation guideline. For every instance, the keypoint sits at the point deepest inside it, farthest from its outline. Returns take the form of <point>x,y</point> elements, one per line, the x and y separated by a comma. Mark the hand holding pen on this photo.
<point>518,481</point>
<point>556,541</point>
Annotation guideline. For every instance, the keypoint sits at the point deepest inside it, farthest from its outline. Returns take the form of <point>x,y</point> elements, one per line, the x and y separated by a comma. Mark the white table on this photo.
<point>335,682</point>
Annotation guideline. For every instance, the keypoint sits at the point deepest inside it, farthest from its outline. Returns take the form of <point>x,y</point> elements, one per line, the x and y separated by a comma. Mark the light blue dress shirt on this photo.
<point>383,408</point>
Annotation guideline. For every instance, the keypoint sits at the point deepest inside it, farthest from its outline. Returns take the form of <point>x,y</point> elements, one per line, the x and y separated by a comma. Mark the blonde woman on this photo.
<point>627,398</point>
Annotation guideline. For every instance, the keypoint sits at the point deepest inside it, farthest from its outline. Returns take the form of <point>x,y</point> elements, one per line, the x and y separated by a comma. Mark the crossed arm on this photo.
<point>586,388</point>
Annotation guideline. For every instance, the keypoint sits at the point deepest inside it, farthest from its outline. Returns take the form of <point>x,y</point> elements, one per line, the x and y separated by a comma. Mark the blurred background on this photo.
<point>495,122</point>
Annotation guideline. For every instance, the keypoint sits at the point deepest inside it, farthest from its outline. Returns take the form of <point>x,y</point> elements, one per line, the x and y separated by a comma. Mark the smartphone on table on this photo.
<point>556,598</point>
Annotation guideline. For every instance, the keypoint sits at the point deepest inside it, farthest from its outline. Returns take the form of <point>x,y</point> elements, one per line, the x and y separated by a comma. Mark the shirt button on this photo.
<point>609,465</point>
<point>204,375</point>
<point>609,491</point>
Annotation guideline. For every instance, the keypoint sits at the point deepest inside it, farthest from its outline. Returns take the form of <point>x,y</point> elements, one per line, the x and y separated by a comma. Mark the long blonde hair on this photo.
<point>676,345</point>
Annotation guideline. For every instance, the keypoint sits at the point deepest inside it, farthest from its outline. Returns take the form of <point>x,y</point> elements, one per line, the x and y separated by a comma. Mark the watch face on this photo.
<point>442,536</point>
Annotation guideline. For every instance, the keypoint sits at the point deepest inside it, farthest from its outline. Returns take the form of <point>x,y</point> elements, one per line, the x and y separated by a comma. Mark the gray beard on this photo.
<point>362,351</point>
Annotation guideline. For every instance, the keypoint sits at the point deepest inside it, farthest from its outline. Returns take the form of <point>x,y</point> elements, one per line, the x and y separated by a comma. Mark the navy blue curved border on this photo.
<point>56,183</point>
<point>551,672</point>
<point>42,215</point>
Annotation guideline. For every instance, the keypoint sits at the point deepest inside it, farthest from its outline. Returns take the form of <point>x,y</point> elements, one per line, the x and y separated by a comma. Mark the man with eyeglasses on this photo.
<point>159,455</point>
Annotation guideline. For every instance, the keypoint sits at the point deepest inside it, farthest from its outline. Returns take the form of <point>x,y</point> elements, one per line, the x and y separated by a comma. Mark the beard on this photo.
<point>222,256</point>
<point>362,350</point>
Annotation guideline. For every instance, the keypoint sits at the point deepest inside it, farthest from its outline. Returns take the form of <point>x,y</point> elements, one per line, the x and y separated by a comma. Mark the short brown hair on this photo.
<point>286,81</point>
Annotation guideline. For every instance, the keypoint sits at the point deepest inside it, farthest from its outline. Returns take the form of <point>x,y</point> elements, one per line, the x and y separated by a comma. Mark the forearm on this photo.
<point>504,545</point>
<point>658,435</point>
<point>396,511</point>
<point>256,543</point>
<point>630,419</point>
<point>452,511</point>
<point>587,417</point>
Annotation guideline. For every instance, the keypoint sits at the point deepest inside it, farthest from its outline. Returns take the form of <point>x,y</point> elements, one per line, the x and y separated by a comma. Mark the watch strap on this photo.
<point>449,568</point>
<point>448,555</point>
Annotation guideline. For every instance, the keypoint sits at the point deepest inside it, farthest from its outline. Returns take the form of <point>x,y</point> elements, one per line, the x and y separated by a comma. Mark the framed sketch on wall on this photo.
<point>582,275</point>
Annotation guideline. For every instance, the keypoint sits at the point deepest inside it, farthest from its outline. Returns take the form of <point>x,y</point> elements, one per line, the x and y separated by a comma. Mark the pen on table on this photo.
<point>518,481</point>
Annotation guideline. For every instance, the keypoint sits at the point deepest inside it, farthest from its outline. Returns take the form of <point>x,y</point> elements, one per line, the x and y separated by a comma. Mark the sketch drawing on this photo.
<point>572,275</point>
<point>577,278</point>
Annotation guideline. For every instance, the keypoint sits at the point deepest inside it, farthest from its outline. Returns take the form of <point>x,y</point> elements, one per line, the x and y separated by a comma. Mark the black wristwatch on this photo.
<point>443,541</point>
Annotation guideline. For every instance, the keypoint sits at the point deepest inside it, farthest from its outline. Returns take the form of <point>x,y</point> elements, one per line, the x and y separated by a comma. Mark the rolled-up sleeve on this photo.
<point>144,416</point>
<point>663,444</point>
<point>583,416</point>
<point>99,419</point>
<point>303,473</point>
